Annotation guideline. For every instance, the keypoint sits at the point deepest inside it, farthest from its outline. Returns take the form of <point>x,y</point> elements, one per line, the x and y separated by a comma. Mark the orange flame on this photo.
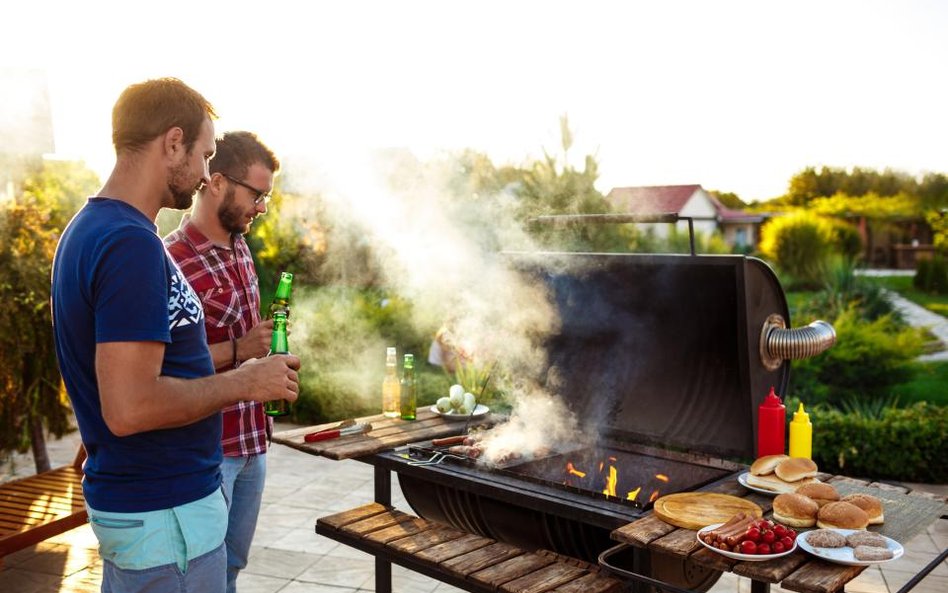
<point>611,481</point>
<point>572,470</point>
<point>661,477</point>
<point>653,496</point>
<point>633,493</point>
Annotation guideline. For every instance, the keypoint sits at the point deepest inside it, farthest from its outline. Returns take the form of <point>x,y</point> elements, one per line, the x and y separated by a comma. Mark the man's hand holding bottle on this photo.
<point>272,377</point>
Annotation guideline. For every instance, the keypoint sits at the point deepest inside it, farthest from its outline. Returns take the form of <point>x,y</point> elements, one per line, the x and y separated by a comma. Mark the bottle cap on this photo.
<point>800,415</point>
<point>409,360</point>
<point>772,400</point>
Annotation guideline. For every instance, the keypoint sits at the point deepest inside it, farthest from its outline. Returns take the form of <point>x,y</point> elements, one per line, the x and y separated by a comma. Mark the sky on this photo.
<point>736,96</point>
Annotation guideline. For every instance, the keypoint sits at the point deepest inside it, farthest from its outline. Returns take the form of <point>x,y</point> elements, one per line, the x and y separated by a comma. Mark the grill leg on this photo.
<point>383,495</point>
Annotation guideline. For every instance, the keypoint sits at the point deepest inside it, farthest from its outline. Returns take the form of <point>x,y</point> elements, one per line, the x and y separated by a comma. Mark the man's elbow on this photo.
<point>121,422</point>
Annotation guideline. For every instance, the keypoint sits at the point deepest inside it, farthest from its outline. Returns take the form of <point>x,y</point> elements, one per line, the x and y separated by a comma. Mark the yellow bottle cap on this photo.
<point>800,415</point>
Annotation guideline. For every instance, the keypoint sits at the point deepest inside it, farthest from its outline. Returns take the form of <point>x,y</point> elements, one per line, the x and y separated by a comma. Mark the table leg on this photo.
<point>759,587</point>
<point>383,495</point>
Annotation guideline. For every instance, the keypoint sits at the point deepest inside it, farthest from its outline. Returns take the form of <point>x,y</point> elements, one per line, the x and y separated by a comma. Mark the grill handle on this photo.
<point>779,343</point>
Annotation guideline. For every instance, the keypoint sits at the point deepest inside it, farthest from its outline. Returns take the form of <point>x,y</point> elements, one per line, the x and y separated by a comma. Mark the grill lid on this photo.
<point>662,349</point>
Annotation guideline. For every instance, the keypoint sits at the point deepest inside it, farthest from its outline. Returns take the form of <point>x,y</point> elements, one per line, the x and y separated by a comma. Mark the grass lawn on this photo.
<point>936,303</point>
<point>929,384</point>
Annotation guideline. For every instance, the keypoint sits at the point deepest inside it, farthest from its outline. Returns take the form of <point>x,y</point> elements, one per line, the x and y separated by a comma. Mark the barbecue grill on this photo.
<point>665,359</point>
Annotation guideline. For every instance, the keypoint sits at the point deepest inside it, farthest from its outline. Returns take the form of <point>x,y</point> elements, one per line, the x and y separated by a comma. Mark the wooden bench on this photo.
<point>464,560</point>
<point>37,507</point>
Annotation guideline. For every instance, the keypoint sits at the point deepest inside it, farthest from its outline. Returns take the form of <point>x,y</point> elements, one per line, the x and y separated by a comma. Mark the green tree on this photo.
<point>31,397</point>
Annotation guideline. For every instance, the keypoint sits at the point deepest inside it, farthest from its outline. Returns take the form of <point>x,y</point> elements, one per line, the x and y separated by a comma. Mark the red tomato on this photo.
<point>787,542</point>
<point>778,547</point>
<point>768,536</point>
<point>748,547</point>
<point>780,530</point>
<point>763,548</point>
<point>791,533</point>
<point>753,534</point>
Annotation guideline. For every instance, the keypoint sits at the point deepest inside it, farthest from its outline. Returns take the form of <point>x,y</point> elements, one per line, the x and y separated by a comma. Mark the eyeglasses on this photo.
<point>262,196</point>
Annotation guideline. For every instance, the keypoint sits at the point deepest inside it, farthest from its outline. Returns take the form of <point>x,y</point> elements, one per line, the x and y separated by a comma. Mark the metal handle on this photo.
<point>779,343</point>
<point>634,576</point>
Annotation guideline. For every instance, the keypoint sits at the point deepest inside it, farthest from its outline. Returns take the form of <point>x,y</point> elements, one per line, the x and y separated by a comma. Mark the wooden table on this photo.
<point>386,434</point>
<point>906,515</point>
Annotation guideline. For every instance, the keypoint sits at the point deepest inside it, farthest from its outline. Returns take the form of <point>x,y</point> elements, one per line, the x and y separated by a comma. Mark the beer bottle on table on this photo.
<point>281,299</point>
<point>408,392</point>
<point>391,404</point>
<point>278,345</point>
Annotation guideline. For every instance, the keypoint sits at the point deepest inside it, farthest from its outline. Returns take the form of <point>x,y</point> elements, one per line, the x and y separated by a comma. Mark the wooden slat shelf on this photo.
<point>906,514</point>
<point>386,433</point>
<point>471,562</point>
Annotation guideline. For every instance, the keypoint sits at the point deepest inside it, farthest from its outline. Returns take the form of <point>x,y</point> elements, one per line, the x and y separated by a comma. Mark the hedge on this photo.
<point>902,444</point>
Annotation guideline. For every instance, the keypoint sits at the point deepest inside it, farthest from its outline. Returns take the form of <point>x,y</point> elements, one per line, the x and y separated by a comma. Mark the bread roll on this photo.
<point>774,484</point>
<point>766,464</point>
<point>795,510</point>
<point>842,515</point>
<point>820,492</point>
<point>795,468</point>
<point>868,503</point>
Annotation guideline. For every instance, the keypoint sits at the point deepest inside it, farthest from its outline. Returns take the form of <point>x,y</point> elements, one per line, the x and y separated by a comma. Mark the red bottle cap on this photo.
<point>772,400</point>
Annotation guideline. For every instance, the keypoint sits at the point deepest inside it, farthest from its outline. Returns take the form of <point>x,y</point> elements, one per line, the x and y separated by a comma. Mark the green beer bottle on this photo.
<point>281,299</point>
<point>278,345</point>
<point>408,391</point>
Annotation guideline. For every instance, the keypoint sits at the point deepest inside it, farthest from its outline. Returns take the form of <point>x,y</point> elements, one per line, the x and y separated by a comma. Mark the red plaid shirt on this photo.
<point>226,281</point>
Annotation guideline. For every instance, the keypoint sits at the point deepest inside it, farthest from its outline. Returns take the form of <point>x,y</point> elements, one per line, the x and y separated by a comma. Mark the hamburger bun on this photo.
<point>795,468</point>
<point>766,464</point>
<point>795,510</point>
<point>774,484</point>
<point>842,515</point>
<point>818,491</point>
<point>868,503</point>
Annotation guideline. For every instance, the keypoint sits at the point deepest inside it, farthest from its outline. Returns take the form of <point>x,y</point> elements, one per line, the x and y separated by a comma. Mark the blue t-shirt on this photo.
<point>113,281</point>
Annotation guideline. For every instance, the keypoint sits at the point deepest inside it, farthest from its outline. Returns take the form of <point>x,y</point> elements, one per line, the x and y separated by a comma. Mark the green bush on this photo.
<point>799,245</point>
<point>905,444</point>
<point>868,360</point>
<point>931,275</point>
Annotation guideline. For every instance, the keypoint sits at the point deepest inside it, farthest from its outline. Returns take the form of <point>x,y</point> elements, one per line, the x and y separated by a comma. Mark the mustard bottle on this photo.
<point>801,434</point>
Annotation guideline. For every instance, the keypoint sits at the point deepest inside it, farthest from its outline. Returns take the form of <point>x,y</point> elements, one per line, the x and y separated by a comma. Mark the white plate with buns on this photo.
<point>739,556</point>
<point>846,554</point>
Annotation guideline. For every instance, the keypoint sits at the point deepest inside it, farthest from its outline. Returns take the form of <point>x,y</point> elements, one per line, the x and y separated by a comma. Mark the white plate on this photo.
<point>742,480</point>
<point>480,410</point>
<point>844,555</point>
<point>744,557</point>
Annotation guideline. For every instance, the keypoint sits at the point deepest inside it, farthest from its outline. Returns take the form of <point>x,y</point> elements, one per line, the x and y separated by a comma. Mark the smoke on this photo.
<point>438,246</point>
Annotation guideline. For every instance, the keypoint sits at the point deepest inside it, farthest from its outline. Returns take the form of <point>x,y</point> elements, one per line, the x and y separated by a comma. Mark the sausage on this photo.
<point>455,440</point>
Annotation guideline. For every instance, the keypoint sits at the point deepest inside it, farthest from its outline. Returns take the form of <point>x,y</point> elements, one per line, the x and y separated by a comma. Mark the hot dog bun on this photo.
<point>774,484</point>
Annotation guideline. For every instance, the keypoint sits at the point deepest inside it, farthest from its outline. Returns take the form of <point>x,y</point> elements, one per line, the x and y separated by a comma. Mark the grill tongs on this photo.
<point>436,459</point>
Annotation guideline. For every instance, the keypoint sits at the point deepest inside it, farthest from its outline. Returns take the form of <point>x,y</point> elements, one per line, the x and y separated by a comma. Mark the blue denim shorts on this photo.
<point>171,538</point>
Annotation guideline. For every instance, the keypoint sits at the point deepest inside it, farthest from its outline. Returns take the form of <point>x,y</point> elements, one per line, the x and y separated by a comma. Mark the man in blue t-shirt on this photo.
<point>133,354</point>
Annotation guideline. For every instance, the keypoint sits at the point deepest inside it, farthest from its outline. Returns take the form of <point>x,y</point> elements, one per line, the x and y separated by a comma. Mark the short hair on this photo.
<point>237,151</point>
<point>148,109</point>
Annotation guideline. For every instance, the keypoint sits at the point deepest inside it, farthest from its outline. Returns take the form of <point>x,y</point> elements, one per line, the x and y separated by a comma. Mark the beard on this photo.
<point>230,215</point>
<point>182,194</point>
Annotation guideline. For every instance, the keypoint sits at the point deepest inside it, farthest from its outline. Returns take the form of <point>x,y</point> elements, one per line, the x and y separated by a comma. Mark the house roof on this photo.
<point>660,199</point>
<point>651,199</point>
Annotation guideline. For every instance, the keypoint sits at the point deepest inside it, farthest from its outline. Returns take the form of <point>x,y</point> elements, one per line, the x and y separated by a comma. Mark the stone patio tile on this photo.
<point>306,541</point>
<point>28,581</point>
<point>340,571</point>
<point>284,564</point>
<point>249,582</point>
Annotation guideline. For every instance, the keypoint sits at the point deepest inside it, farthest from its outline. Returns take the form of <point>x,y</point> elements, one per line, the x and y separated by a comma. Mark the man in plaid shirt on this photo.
<point>210,249</point>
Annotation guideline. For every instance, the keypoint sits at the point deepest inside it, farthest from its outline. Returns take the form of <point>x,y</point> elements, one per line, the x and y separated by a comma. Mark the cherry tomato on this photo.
<point>763,548</point>
<point>780,530</point>
<point>753,534</point>
<point>778,547</point>
<point>748,547</point>
<point>768,536</point>
<point>791,533</point>
<point>787,542</point>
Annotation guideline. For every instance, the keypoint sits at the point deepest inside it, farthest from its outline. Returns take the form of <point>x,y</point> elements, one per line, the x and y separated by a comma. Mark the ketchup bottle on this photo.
<point>771,426</point>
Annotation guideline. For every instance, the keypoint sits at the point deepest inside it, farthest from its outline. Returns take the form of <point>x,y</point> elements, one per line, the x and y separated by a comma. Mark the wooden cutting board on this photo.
<point>694,510</point>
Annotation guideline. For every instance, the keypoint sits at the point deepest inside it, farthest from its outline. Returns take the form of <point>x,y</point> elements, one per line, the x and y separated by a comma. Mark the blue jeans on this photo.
<point>242,482</point>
